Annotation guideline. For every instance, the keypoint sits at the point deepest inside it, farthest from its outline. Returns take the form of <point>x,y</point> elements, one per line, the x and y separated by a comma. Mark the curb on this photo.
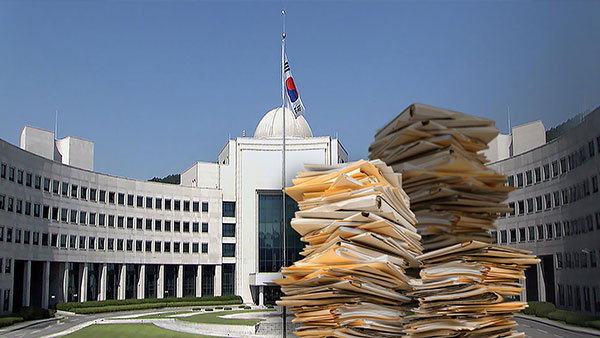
<point>28,324</point>
<point>557,325</point>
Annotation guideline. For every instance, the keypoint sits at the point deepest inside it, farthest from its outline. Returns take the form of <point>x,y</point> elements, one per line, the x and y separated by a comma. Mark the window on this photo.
<point>548,200</point>
<point>111,221</point>
<point>148,246</point>
<point>11,174</point>
<point>591,150</point>
<point>148,202</point>
<point>120,221</point>
<point>26,236</point>
<point>121,198</point>
<point>540,230</point>
<point>494,235</point>
<point>101,243</point>
<point>19,207</point>
<point>157,225</point>
<point>186,247</point>
<point>176,247</point>
<point>593,259</point>
<point>228,209</point>
<point>595,184</point>
<point>9,235</point>
<point>27,208</point>
<point>6,270</point>
<point>529,205</point>
<point>522,235</point>
<point>101,219</point>
<point>138,245</point>
<point>119,244</point>
<point>46,184</point>
<point>83,193</point>
<point>55,186</point>
<point>538,203</point>
<point>73,218</point>
<point>519,180</point>
<point>2,202</point>
<point>177,205</point>
<point>228,230</point>
<point>563,165</point>
<point>92,194</point>
<point>102,197</point>
<point>167,247</point>
<point>148,224</point>
<point>64,188</point>
<point>167,204</point>
<point>54,240</point>
<point>92,218</point>
<point>528,177</point>
<point>73,242</point>
<point>537,172</point>
<point>111,197</point>
<point>36,238</point>
<point>511,181</point>
<point>204,247</point>
<point>513,235</point>
<point>91,243</point>
<point>549,232</point>
<point>111,244</point>
<point>129,245</point>
<point>521,205</point>
<point>531,230</point>
<point>28,179</point>
<point>196,206</point>
<point>140,201</point>
<point>82,242</point>
<point>20,176</point>
<point>195,227</point>
<point>195,247</point>
<point>556,195</point>
<point>186,226</point>
<point>186,205</point>
<point>177,226</point>
<point>82,217</point>
<point>228,250</point>
<point>204,227</point>
<point>204,206</point>
<point>74,190</point>
<point>129,222</point>
<point>138,223</point>
<point>3,170</point>
<point>559,261</point>
<point>158,203</point>
<point>168,226</point>
<point>36,210</point>
<point>558,229</point>
<point>157,246</point>
<point>554,168</point>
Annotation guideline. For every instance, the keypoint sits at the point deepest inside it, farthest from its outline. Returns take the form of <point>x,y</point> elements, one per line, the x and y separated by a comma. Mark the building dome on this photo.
<point>270,125</point>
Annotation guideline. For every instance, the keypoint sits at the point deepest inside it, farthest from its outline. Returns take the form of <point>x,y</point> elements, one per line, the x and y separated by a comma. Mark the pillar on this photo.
<point>26,283</point>
<point>179,291</point>
<point>261,295</point>
<point>65,282</point>
<point>46,285</point>
<point>102,282</point>
<point>218,281</point>
<point>122,282</point>
<point>83,282</point>
<point>199,281</point>
<point>12,286</point>
<point>141,284</point>
<point>160,285</point>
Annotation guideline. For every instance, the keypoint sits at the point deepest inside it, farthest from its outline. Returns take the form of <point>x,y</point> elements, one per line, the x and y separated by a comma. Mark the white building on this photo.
<point>68,233</point>
<point>556,210</point>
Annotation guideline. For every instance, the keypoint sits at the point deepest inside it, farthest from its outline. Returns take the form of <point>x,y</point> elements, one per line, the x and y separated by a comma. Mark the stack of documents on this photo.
<point>455,197</point>
<point>463,291</point>
<point>361,241</point>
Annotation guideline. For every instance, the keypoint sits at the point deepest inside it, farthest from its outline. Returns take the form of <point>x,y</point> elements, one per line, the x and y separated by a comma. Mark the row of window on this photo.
<point>559,167</point>
<point>548,231</point>
<point>574,260</point>
<point>81,242</point>
<point>91,194</point>
<point>555,199</point>
<point>91,218</point>
<point>570,296</point>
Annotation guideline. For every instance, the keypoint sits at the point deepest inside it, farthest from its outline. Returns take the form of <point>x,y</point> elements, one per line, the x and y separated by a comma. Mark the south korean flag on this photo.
<point>292,98</point>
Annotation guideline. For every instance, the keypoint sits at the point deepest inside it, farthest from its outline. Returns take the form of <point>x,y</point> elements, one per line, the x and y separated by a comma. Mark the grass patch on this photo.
<point>165,315</point>
<point>129,330</point>
<point>214,318</point>
<point>150,303</point>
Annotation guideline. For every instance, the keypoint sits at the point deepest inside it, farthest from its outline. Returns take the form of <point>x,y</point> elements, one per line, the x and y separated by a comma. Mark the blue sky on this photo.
<point>158,85</point>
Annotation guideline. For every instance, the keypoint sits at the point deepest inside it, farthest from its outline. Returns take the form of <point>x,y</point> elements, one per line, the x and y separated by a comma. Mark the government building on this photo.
<point>68,233</point>
<point>556,210</point>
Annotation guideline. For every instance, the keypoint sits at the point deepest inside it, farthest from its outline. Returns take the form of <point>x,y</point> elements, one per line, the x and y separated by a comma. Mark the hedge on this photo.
<point>548,310</point>
<point>10,320</point>
<point>188,301</point>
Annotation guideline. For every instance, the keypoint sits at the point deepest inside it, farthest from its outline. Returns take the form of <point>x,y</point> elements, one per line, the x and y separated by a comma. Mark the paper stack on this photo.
<point>463,289</point>
<point>454,196</point>
<point>361,239</point>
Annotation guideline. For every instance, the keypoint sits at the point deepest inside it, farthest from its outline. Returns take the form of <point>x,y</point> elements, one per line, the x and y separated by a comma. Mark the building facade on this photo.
<point>68,233</point>
<point>556,212</point>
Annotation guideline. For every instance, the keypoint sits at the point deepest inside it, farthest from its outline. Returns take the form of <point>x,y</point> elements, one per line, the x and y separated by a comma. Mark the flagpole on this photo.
<point>284,256</point>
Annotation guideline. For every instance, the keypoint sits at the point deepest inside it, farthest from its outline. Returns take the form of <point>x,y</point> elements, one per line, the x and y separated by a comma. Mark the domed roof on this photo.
<point>270,125</point>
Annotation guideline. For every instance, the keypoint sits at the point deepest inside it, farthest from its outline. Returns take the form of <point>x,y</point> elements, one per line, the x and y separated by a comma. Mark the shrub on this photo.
<point>188,301</point>
<point>577,319</point>
<point>115,308</point>
<point>10,320</point>
<point>208,309</point>
<point>594,323</point>
<point>226,308</point>
<point>543,309</point>
<point>559,315</point>
<point>33,313</point>
<point>247,307</point>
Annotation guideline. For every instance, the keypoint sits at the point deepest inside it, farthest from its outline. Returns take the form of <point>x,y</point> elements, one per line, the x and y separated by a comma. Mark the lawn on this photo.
<point>213,318</point>
<point>130,330</point>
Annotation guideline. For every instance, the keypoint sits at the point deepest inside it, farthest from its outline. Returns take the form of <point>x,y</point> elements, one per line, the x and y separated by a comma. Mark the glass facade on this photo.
<point>208,280</point>
<point>189,280</point>
<point>270,232</point>
<point>228,278</point>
